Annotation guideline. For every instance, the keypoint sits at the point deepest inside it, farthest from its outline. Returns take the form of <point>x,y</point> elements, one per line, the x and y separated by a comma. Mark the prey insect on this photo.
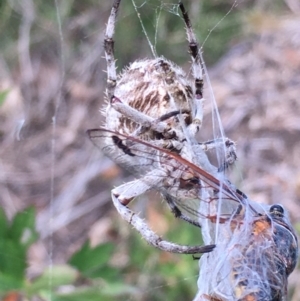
<point>256,246</point>
<point>255,255</point>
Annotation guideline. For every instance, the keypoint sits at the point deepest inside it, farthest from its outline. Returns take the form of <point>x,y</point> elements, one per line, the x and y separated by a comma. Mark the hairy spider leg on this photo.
<point>177,212</point>
<point>230,155</point>
<point>147,122</point>
<point>194,51</point>
<point>109,50</point>
<point>152,238</point>
<point>197,72</point>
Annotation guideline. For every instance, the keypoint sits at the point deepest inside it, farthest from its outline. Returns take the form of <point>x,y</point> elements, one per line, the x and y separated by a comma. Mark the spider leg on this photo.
<point>123,194</point>
<point>137,116</point>
<point>151,237</point>
<point>197,72</point>
<point>230,150</point>
<point>177,213</point>
<point>127,192</point>
<point>194,51</point>
<point>109,50</point>
<point>171,135</point>
<point>172,114</point>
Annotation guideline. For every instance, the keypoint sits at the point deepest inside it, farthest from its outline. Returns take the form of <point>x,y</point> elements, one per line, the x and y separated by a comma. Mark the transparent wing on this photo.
<point>127,152</point>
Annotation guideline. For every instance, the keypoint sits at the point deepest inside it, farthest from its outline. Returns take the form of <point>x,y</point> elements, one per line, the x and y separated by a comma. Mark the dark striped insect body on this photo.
<point>254,256</point>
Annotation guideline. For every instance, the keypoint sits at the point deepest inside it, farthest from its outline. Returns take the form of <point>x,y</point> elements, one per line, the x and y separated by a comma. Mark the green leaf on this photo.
<point>12,260</point>
<point>23,227</point>
<point>89,261</point>
<point>14,242</point>
<point>9,282</point>
<point>3,224</point>
<point>3,95</point>
<point>108,273</point>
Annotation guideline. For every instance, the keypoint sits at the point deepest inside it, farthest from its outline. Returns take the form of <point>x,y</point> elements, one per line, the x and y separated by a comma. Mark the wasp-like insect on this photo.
<point>254,256</point>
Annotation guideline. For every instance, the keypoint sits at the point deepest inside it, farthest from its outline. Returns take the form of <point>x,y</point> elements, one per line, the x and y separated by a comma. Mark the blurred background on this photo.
<point>61,237</point>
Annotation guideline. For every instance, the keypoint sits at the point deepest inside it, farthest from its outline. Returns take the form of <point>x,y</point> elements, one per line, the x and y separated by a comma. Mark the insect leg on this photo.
<point>109,50</point>
<point>229,147</point>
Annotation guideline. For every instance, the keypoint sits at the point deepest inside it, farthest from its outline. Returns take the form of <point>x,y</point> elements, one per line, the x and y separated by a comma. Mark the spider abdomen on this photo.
<point>153,87</point>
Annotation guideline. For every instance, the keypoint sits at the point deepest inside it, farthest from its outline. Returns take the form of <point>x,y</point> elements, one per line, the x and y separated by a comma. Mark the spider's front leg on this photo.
<point>149,123</point>
<point>194,52</point>
<point>196,70</point>
<point>177,212</point>
<point>109,50</point>
<point>122,195</point>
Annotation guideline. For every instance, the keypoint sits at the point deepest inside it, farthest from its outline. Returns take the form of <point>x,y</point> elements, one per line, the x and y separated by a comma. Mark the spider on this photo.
<point>154,101</point>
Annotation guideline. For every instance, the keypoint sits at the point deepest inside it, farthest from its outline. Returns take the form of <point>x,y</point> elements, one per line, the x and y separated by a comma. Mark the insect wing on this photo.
<point>131,154</point>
